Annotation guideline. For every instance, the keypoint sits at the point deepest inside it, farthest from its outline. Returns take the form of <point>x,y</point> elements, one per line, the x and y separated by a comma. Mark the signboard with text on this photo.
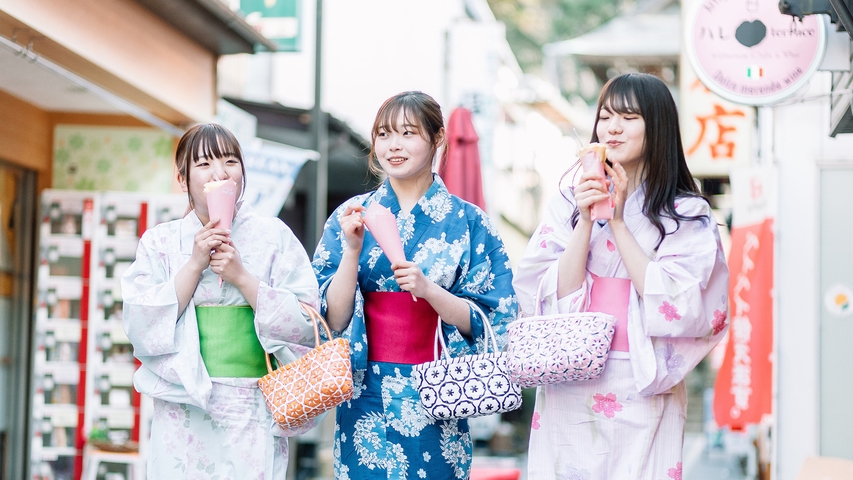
<point>743,392</point>
<point>748,52</point>
<point>717,134</point>
<point>277,20</point>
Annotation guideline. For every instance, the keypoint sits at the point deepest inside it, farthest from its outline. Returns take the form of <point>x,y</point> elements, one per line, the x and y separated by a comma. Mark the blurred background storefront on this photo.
<point>93,95</point>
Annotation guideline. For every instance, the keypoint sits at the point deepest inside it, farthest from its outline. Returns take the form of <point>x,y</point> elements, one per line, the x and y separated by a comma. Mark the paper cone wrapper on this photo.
<point>220,202</point>
<point>383,226</point>
<point>592,160</point>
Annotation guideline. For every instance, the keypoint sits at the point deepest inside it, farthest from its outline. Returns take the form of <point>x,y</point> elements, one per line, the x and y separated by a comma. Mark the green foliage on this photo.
<point>533,23</point>
<point>98,433</point>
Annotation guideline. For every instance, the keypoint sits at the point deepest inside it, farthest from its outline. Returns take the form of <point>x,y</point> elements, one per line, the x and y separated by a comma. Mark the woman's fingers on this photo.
<point>617,174</point>
<point>224,256</point>
<point>352,226</point>
<point>354,208</point>
<point>410,278</point>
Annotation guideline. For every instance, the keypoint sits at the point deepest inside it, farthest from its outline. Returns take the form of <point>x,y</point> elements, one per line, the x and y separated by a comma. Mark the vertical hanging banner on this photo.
<point>272,169</point>
<point>743,391</point>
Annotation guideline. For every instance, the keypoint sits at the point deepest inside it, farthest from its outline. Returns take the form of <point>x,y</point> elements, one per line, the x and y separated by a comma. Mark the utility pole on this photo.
<point>319,129</point>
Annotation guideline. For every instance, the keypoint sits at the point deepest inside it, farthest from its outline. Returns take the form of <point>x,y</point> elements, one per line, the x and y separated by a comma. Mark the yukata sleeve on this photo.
<point>537,272</point>
<point>150,302</point>
<point>487,283</point>
<point>283,326</point>
<point>327,258</point>
<point>684,306</point>
<point>686,282</point>
<point>165,342</point>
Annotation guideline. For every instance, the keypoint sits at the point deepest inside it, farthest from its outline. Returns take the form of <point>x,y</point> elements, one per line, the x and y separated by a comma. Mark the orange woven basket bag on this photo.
<point>318,381</point>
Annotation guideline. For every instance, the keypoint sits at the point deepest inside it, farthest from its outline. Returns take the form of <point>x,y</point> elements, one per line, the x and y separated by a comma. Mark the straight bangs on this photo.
<point>213,141</point>
<point>621,97</point>
<point>390,112</point>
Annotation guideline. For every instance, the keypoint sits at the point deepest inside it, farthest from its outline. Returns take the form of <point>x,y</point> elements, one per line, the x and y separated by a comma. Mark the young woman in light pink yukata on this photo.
<point>202,342</point>
<point>657,265</point>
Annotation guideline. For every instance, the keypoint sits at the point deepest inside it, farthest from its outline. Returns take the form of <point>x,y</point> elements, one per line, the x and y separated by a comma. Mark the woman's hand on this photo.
<point>592,188</point>
<point>225,261</point>
<point>206,240</point>
<point>411,278</point>
<point>352,226</point>
<point>620,188</point>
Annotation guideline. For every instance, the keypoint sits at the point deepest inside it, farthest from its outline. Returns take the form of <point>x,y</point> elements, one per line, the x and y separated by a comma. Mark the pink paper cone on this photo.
<point>591,162</point>
<point>221,198</point>
<point>383,226</point>
<point>220,203</point>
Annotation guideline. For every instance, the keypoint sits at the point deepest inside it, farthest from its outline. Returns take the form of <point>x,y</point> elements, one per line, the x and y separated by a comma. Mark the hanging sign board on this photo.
<point>743,392</point>
<point>747,52</point>
<point>277,20</point>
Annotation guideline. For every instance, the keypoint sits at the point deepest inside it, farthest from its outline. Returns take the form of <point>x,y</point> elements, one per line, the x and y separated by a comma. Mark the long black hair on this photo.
<point>664,172</point>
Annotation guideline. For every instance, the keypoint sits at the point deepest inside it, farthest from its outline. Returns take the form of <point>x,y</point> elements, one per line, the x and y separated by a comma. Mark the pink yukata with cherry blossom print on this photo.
<point>629,422</point>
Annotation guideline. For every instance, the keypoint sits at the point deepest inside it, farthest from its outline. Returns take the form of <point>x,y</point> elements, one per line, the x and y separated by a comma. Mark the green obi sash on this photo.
<point>229,345</point>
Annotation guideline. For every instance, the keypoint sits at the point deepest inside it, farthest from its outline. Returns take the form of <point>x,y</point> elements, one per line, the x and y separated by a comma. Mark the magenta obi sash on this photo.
<point>399,329</point>
<point>611,295</point>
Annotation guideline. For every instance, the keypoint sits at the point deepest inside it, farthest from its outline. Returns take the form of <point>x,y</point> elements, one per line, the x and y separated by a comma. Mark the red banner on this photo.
<point>743,393</point>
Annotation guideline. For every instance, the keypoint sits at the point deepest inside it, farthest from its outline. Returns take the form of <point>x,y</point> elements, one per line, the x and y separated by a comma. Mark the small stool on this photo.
<point>94,457</point>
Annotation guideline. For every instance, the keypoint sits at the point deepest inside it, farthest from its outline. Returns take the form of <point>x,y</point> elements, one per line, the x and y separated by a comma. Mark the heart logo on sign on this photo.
<point>750,34</point>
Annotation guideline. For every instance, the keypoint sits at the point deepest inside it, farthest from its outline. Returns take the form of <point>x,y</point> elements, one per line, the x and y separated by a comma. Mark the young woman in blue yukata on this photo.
<point>390,311</point>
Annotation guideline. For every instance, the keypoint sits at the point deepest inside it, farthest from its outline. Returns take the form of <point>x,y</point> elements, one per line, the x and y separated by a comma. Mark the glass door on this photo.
<point>17,232</point>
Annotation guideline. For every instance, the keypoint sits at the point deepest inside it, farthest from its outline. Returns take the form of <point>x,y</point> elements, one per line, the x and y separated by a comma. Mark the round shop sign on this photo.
<point>747,52</point>
<point>838,300</point>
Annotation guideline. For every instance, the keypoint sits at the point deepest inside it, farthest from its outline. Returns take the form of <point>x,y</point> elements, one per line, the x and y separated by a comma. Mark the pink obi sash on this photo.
<point>399,329</point>
<point>610,295</point>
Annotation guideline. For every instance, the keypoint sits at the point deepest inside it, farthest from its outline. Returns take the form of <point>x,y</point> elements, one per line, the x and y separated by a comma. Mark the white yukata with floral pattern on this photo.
<point>214,428</point>
<point>628,423</point>
<point>384,432</point>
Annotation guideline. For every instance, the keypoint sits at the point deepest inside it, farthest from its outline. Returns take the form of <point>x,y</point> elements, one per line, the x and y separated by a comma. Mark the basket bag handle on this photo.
<point>316,320</point>
<point>488,333</point>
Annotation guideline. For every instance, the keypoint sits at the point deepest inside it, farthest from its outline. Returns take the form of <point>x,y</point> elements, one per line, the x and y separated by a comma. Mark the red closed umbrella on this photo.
<point>461,167</point>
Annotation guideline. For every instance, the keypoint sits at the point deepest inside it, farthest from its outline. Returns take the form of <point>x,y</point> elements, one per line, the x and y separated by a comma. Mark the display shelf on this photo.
<point>83,362</point>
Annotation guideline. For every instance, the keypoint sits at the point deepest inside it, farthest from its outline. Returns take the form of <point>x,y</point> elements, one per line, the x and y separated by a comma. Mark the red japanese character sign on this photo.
<point>717,134</point>
<point>743,390</point>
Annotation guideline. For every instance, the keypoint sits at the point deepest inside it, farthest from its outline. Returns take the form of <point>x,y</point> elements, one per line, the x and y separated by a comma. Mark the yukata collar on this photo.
<point>386,195</point>
<point>191,224</point>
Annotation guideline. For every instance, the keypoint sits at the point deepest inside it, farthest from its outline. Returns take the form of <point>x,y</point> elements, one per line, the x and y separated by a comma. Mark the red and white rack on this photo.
<point>83,363</point>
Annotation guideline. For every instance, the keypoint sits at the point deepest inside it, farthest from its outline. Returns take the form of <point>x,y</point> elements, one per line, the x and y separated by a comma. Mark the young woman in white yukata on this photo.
<point>202,342</point>
<point>657,265</point>
<point>454,256</point>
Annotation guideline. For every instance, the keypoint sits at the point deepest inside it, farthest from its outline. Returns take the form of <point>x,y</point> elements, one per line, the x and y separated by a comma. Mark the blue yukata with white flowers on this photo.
<point>384,432</point>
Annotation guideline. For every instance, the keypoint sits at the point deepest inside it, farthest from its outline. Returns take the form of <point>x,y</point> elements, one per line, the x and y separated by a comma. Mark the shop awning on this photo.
<point>652,36</point>
<point>212,24</point>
